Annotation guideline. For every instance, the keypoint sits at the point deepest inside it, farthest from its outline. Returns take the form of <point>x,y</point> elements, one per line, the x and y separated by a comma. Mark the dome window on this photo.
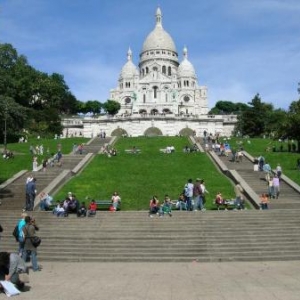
<point>127,100</point>
<point>186,98</point>
<point>164,70</point>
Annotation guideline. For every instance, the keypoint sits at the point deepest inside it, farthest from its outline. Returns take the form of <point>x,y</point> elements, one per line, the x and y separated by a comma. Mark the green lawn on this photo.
<point>137,177</point>
<point>23,158</point>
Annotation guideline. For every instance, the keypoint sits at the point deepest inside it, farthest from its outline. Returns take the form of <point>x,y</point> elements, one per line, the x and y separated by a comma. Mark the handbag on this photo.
<point>36,241</point>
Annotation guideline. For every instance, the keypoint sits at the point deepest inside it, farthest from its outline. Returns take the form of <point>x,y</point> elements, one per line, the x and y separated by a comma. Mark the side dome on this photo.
<point>158,38</point>
<point>129,69</point>
<point>186,69</point>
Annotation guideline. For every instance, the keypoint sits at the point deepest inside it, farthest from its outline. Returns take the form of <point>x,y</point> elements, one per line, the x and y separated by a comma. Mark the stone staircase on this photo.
<point>13,195</point>
<point>289,198</point>
<point>212,236</point>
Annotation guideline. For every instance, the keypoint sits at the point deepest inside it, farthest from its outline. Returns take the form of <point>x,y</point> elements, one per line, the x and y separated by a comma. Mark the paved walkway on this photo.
<point>166,281</point>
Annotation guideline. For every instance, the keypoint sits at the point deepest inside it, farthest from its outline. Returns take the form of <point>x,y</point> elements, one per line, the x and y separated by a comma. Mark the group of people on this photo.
<point>6,154</point>
<point>273,182</point>
<point>72,205</point>
<point>13,265</point>
<point>155,208</point>
<point>191,198</point>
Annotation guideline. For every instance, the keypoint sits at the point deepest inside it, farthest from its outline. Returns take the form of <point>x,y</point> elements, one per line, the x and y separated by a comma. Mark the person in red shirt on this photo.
<point>92,208</point>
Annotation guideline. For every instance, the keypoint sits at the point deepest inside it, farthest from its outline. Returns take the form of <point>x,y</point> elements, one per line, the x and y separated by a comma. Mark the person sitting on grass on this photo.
<point>153,206</point>
<point>92,209</point>
<point>82,210</point>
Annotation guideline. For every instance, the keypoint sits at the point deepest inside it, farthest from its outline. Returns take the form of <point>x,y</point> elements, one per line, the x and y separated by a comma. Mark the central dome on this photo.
<point>158,38</point>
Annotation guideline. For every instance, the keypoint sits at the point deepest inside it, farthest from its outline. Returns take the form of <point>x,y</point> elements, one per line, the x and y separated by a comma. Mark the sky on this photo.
<point>238,47</point>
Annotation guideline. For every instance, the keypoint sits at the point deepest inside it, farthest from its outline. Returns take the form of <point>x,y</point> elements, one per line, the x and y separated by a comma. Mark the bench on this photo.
<point>133,151</point>
<point>229,204</point>
<point>105,204</point>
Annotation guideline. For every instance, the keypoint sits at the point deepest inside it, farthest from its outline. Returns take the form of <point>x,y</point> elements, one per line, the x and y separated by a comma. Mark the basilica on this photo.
<point>159,96</point>
<point>161,84</point>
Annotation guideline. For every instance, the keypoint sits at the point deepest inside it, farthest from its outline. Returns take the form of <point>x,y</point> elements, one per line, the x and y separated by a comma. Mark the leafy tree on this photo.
<point>13,116</point>
<point>34,91</point>
<point>93,106</point>
<point>290,125</point>
<point>253,119</point>
<point>111,107</point>
<point>227,107</point>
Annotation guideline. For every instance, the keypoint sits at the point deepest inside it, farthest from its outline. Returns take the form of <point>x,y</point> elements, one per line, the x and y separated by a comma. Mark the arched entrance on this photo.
<point>166,111</point>
<point>153,131</point>
<point>186,132</point>
<point>119,132</point>
<point>154,111</point>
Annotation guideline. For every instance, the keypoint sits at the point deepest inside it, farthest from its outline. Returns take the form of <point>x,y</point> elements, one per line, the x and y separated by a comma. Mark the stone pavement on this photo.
<point>165,281</point>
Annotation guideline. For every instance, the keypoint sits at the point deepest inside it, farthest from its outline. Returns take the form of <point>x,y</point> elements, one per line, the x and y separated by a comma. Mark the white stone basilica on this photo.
<point>159,97</point>
<point>160,84</point>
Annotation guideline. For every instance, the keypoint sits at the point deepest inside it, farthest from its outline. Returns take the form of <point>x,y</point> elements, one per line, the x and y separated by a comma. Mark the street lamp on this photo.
<point>5,126</point>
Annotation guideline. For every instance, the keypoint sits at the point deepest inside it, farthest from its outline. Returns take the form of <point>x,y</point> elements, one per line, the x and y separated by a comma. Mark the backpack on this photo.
<point>15,233</point>
<point>185,191</point>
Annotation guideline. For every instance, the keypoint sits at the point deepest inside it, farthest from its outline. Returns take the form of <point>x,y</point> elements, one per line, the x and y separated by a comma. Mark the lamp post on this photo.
<point>5,126</point>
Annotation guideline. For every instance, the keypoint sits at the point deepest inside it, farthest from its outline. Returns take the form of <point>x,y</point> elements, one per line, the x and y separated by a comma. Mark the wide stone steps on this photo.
<point>187,236</point>
<point>288,198</point>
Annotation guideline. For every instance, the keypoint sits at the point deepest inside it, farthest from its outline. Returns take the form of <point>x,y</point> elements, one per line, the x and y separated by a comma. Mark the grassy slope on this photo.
<point>139,176</point>
<point>23,158</point>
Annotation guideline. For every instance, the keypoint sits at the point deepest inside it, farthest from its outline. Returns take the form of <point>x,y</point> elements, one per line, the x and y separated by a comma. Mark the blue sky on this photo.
<point>238,47</point>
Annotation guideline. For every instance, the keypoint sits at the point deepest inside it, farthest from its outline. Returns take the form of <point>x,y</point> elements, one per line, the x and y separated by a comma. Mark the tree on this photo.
<point>290,126</point>
<point>37,93</point>
<point>111,107</point>
<point>93,106</point>
<point>14,117</point>
<point>253,119</point>
<point>227,107</point>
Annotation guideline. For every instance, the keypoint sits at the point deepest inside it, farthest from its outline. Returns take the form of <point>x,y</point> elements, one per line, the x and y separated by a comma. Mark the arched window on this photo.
<point>164,70</point>
<point>147,70</point>
<point>154,69</point>
<point>144,98</point>
<point>169,71</point>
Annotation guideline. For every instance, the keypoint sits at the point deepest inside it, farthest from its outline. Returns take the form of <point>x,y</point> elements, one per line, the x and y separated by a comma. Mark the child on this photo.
<point>92,208</point>
<point>82,210</point>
